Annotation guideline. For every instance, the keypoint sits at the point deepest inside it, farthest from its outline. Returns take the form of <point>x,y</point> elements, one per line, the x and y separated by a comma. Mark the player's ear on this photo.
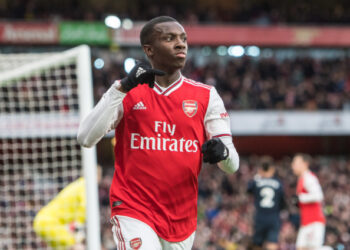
<point>148,49</point>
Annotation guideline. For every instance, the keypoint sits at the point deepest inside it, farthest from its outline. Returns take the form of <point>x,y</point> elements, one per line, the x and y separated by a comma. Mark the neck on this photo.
<point>168,79</point>
<point>303,172</point>
<point>267,175</point>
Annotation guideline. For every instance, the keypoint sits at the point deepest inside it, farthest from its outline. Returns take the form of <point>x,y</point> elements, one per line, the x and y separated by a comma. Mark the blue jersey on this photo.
<point>268,197</point>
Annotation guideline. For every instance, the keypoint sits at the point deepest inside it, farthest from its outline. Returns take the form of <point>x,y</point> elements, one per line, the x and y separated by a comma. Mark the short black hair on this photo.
<point>305,157</point>
<point>148,28</point>
<point>266,162</point>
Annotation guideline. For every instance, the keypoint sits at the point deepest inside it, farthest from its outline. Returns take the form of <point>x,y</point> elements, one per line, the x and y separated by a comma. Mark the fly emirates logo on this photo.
<point>163,144</point>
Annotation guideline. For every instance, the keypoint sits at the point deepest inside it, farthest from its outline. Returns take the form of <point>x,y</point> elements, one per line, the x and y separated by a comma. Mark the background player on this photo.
<point>61,223</point>
<point>310,196</point>
<point>269,200</point>
<point>160,129</point>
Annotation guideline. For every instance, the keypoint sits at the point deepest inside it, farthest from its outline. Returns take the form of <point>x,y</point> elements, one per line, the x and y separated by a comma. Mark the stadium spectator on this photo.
<point>249,84</point>
<point>161,121</point>
<point>263,12</point>
<point>268,194</point>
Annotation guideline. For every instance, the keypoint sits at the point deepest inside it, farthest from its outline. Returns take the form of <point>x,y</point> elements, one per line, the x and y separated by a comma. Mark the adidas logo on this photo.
<point>139,72</point>
<point>139,106</point>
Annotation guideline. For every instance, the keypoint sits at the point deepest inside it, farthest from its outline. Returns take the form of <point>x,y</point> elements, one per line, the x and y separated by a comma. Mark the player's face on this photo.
<point>168,50</point>
<point>297,165</point>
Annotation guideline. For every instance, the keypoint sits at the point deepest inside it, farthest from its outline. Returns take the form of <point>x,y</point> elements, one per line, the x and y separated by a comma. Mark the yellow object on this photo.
<point>55,222</point>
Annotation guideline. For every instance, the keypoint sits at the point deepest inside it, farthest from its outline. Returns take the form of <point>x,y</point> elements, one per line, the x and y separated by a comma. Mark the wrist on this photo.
<point>119,86</point>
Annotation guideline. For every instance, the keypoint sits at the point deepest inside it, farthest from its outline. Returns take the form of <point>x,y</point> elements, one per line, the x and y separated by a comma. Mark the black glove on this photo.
<point>141,73</point>
<point>295,200</point>
<point>214,151</point>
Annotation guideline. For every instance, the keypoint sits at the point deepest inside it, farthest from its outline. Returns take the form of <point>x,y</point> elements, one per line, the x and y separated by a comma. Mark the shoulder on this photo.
<point>204,90</point>
<point>80,182</point>
<point>278,179</point>
<point>311,177</point>
<point>252,182</point>
<point>205,94</point>
<point>198,85</point>
<point>251,185</point>
<point>74,189</point>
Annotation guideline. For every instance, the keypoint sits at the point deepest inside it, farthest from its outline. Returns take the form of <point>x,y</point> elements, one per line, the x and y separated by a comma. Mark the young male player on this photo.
<point>269,200</point>
<point>310,196</point>
<point>163,122</point>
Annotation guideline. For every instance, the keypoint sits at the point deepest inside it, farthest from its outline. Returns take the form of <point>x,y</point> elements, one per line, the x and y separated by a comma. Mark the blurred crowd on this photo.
<point>246,83</point>
<point>262,12</point>
<point>225,210</point>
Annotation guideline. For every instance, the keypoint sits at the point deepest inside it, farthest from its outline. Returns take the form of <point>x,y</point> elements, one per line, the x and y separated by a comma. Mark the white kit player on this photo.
<point>165,124</point>
<point>309,193</point>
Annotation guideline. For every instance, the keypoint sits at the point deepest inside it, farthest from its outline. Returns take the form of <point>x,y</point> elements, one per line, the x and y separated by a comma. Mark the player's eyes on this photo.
<point>171,38</point>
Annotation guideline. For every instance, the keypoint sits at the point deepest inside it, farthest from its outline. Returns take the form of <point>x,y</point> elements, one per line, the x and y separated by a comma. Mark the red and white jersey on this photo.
<point>159,133</point>
<point>310,198</point>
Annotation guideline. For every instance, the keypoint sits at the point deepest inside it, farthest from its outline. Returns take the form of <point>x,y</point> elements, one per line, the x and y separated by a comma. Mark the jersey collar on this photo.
<point>170,89</point>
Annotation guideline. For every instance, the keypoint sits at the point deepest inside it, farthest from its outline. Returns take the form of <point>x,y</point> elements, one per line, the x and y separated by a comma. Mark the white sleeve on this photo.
<point>104,117</point>
<point>313,188</point>
<point>217,124</point>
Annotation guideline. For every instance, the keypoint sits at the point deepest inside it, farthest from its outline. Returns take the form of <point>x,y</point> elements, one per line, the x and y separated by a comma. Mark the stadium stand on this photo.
<point>298,83</point>
<point>249,84</point>
<point>255,12</point>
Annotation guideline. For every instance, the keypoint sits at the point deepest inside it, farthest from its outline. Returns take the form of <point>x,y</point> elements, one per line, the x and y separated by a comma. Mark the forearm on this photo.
<point>231,163</point>
<point>103,118</point>
<point>217,124</point>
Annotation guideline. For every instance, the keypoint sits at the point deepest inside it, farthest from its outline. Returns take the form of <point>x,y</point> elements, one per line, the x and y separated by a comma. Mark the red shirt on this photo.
<point>158,158</point>
<point>309,211</point>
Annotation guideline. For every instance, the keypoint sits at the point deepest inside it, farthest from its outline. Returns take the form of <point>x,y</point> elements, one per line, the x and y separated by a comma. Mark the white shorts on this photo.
<point>311,236</point>
<point>130,234</point>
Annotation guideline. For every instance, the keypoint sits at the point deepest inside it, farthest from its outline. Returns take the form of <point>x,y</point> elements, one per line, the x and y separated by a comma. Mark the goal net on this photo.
<point>43,96</point>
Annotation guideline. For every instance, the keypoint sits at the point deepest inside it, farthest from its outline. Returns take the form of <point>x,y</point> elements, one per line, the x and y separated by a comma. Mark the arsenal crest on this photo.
<point>190,107</point>
<point>135,243</point>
